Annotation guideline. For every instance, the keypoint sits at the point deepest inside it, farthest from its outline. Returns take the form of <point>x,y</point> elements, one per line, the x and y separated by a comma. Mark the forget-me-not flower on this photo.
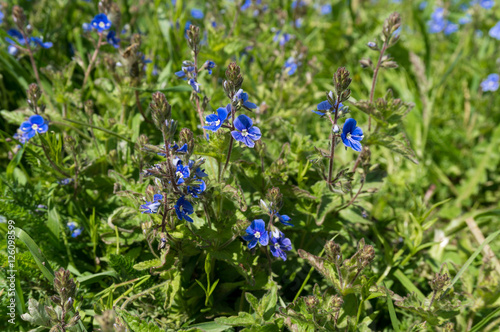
<point>101,22</point>
<point>182,172</point>
<point>351,135</point>
<point>495,31</point>
<point>195,85</point>
<point>242,98</point>
<point>183,209</point>
<point>245,131</point>
<point>491,83</point>
<point>284,219</point>
<point>215,121</point>
<point>279,245</point>
<point>198,173</point>
<point>197,14</point>
<point>487,4</point>
<point>152,207</point>
<point>325,107</point>
<point>246,5</point>
<point>35,124</point>
<point>209,65</point>
<point>256,232</point>
<point>197,189</point>
<point>112,39</point>
<point>291,66</point>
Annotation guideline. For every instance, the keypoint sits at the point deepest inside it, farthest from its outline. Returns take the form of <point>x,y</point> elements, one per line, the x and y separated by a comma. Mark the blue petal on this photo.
<point>36,119</point>
<point>248,237</point>
<point>259,225</point>
<point>356,146</point>
<point>324,106</point>
<point>43,128</point>
<point>252,244</point>
<point>222,113</point>
<point>319,113</point>
<point>237,136</point>
<point>25,126</point>
<point>345,140</point>
<point>349,126</point>
<point>254,133</point>
<point>180,73</point>
<point>213,128</point>
<point>250,105</point>
<point>188,207</point>
<point>274,251</point>
<point>157,197</point>
<point>264,238</point>
<point>243,122</point>
<point>248,142</point>
<point>357,132</point>
<point>212,118</point>
<point>183,149</point>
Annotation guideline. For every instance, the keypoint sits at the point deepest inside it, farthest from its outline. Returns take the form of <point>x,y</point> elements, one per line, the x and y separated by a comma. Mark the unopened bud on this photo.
<point>311,301</point>
<point>333,252</point>
<point>439,282</point>
<point>365,63</point>
<point>160,109</point>
<point>373,46</point>
<point>19,17</point>
<point>34,93</point>
<point>341,79</point>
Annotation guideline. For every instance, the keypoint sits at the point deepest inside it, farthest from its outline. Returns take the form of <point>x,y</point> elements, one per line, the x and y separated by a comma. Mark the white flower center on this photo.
<point>277,245</point>
<point>101,25</point>
<point>244,133</point>
<point>257,235</point>
<point>34,126</point>
<point>217,122</point>
<point>180,208</point>
<point>348,135</point>
<point>179,174</point>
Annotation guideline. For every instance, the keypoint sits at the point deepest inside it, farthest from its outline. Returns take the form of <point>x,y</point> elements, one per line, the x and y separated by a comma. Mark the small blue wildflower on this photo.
<point>184,72</point>
<point>437,22</point>
<point>87,27</point>
<point>182,172</point>
<point>279,245</point>
<point>422,5</point>
<point>351,135</point>
<point>112,39</point>
<point>197,189</point>
<point>215,121</point>
<point>282,38</point>
<point>326,107</point>
<point>155,71</point>
<point>198,173</point>
<point>466,19</point>
<point>197,14</point>
<point>284,219</point>
<point>300,3</point>
<point>72,225</point>
<point>101,22</point>
<point>291,66</point>
<point>450,28</point>
<point>21,138</point>
<point>1,17</point>
<point>245,132</point>
<point>495,31</point>
<point>326,9</point>
<point>242,98</point>
<point>195,85</point>
<point>35,124</point>
<point>491,83</point>
<point>257,233</point>
<point>152,207</point>
<point>64,182</point>
<point>183,209</point>
<point>209,65</point>
<point>213,24</point>
<point>17,35</point>
<point>246,5</point>
<point>38,41</point>
<point>76,232</point>
<point>298,22</point>
<point>487,4</point>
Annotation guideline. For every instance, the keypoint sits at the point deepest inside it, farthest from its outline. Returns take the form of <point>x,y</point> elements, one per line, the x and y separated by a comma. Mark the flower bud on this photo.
<point>365,63</point>
<point>19,17</point>
<point>336,303</point>
<point>193,34</point>
<point>336,129</point>
<point>439,282</point>
<point>160,109</point>
<point>373,46</point>
<point>34,93</point>
<point>333,252</point>
<point>341,79</point>
<point>275,198</point>
<point>311,301</point>
<point>391,24</point>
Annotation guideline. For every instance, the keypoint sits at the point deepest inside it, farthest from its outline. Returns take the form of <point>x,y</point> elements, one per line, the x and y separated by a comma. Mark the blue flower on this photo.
<point>242,98</point>
<point>152,207</point>
<point>21,138</point>
<point>184,72</point>
<point>64,182</point>
<point>245,132</point>
<point>101,22</point>
<point>197,14</point>
<point>246,5</point>
<point>300,3</point>
<point>290,66</point>
<point>195,85</point>
<point>491,83</point>
<point>326,107</point>
<point>450,28</point>
<point>422,5</point>
<point>326,9</point>
<point>279,245</point>
<point>87,27</point>
<point>35,124</point>
<point>1,17</point>
<point>437,22</point>
<point>38,41</point>
<point>72,225</point>
<point>199,173</point>
<point>215,121</point>
<point>182,172</point>
<point>12,49</point>
<point>495,31</point>
<point>197,189</point>
<point>466,19</point>
<point>284,219</point>
<point>76,232</point>
<point>257,233</point>
<point>112,39</point>
<point>487,4</point>
<point>282,38</point>
<point>183,209</point>
<point>351,135</point>
<point>209,65</point>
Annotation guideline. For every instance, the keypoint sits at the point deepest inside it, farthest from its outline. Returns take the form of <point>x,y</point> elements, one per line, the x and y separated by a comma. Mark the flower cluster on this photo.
<point>438,23</point>
<point>257,233</point>
<point>18,41</point>
<point>491,83</point>
<point>74,229</point>
<point>36,124</point>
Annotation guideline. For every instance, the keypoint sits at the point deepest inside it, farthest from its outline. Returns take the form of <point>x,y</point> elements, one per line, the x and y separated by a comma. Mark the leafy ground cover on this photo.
<point>249,165</point>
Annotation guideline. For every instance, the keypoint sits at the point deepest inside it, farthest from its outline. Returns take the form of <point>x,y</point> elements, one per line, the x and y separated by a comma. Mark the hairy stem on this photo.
<point>334,136</point>
<point>374,81</point>
<point>92,60</point>
<point>139,106</point>
<point>198,108</point>
<point>32,58</point>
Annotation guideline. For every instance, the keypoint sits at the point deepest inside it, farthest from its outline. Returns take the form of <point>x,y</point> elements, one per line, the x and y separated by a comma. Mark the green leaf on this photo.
<point>267,305</point>
<point>243,319</point>
<point>254,302</point>
<point>392,313</point>
<point>408,284</point>
<point>494,314</point>
<point>40,260</point>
